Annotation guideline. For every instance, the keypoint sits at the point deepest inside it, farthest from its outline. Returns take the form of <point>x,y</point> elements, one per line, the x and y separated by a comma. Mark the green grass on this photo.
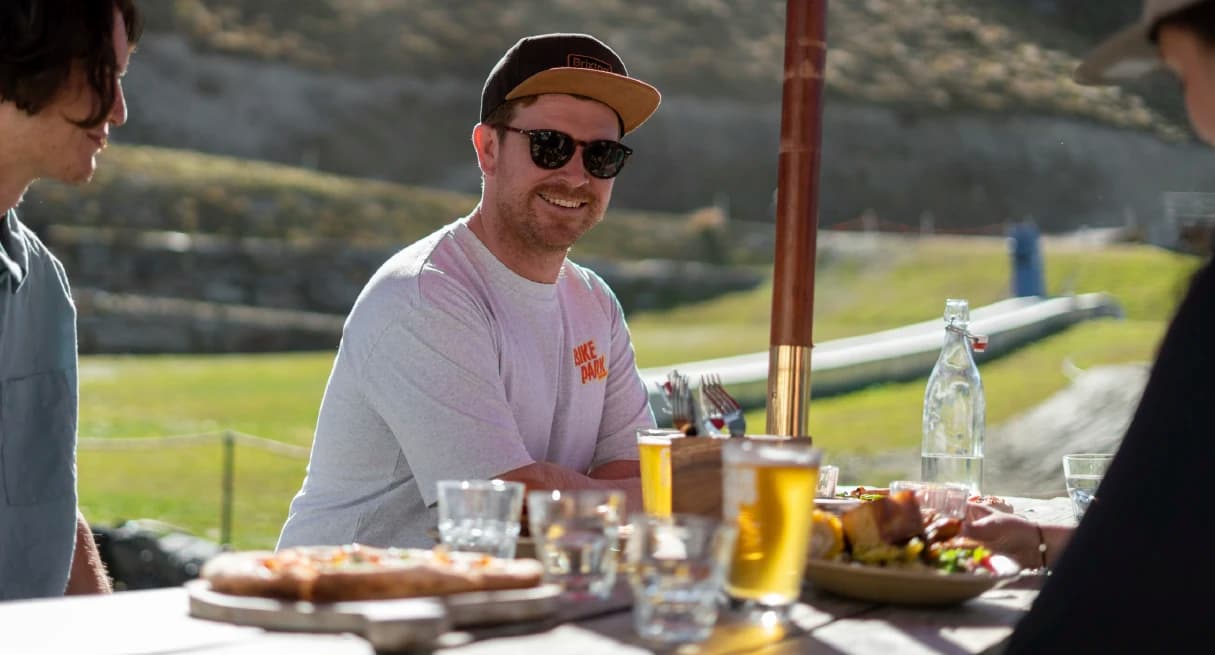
<point>277,396</point>
<point>907,282</point>
<point>887,417</point>
<point>1148,282</point>
<point>272,396</point>
<point>183,486</point>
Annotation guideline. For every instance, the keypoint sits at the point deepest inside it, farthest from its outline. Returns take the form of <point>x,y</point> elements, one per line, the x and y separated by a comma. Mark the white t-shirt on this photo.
<point>451,366</point>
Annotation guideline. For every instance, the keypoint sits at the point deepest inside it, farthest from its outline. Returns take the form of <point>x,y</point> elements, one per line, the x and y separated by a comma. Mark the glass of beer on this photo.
<point>768,488</point>
<point>654,450</point>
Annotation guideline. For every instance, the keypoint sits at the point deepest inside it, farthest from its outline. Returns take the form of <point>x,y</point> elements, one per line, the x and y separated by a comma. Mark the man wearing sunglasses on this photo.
<point>481,351</point>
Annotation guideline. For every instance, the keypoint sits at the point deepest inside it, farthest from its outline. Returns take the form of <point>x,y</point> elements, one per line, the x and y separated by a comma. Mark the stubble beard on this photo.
<point>536,235</point>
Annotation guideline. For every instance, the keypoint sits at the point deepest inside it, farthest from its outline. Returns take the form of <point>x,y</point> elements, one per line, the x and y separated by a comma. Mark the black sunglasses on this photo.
<point>552,150</point>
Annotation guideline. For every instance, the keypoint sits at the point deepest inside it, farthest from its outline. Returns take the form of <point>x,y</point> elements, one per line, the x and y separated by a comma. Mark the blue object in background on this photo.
<point>1026,260</point>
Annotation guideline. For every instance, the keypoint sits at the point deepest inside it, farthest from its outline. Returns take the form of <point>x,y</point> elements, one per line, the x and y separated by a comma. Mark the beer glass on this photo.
<point>946,498</point>
<point>768,486</point>
<point>654,451</point>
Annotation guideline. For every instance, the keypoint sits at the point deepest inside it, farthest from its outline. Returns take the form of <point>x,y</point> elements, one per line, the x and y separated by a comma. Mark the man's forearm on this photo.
<point>88,574</point>
<point>544,476</point>
<point>617,470</point>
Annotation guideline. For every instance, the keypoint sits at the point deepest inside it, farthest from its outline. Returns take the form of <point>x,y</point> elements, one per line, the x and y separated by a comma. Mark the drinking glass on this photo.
<point>828,477</point>
<point>946,498</point>
<point>654,450</point>
<point>576,534</point>
<point>1082,472</point>
<point>480,516</point>
<point>677,565</point>
<point>768,486</point>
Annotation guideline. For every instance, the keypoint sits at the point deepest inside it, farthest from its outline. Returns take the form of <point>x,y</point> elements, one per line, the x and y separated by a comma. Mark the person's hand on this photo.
<point>976,511</point>
<point>1004,533</point>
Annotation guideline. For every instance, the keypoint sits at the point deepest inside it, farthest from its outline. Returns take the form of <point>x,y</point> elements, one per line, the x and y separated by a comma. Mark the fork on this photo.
<point>681,401</point>
<point>725,404</point>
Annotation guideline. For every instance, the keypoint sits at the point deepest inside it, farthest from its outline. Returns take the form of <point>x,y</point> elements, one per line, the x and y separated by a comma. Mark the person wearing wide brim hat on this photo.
<point>1131,52</point>
<point>1135,575</point>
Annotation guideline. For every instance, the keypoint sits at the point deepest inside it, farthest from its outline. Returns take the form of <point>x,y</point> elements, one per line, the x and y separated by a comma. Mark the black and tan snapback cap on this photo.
<point>577,64</point>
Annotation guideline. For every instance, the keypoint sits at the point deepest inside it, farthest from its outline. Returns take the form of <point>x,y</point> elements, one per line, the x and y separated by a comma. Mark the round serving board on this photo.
<point>388,624</point>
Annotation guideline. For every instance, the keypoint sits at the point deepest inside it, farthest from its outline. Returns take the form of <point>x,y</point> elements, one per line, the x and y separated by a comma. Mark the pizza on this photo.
<point>358,572</point>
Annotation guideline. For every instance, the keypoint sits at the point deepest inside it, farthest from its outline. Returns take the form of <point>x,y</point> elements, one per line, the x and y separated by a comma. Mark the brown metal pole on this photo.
<point>796,218</point>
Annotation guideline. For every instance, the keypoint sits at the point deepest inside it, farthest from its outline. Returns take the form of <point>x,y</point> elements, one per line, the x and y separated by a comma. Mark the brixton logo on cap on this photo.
<point>586,61</point>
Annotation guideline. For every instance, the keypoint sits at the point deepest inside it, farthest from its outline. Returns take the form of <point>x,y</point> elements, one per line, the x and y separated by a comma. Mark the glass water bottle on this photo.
<point>952,448</point>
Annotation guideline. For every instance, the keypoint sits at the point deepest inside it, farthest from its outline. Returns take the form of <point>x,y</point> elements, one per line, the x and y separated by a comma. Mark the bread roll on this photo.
<point>890,520</point>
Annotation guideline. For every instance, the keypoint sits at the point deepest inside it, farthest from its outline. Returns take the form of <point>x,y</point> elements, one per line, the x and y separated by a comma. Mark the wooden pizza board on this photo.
<point>504,606</point>
<point>388,624</point>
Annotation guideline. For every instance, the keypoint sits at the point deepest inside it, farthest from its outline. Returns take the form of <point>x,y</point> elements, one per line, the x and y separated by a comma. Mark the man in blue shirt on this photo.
<point>61,64</point>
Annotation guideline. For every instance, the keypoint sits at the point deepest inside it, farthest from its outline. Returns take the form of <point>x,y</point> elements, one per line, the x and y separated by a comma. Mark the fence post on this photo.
<point>927,221</point>
<point>225,519</point>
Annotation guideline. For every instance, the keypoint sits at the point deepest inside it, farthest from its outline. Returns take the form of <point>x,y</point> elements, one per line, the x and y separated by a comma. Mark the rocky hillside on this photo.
<point>954,114</point>
<point>176,251</point>
<point>956,109</point>
<point>925,54</point>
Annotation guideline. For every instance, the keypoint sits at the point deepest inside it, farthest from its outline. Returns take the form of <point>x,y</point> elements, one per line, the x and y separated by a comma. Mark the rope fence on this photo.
<point>869,222</point>
<point>188,440</point>
<point>228,439</point>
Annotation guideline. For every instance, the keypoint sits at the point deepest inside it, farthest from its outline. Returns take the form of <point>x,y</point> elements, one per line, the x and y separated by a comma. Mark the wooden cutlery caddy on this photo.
<point>696,475</point>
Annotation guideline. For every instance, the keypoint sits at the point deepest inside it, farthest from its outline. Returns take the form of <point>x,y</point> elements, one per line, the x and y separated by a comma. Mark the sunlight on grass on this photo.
<point>182,486</point>
<point>908,284</point>
<point>274,396</point>
<point>887,417</point>
<point>277,395</point>
<point>1149,282</point>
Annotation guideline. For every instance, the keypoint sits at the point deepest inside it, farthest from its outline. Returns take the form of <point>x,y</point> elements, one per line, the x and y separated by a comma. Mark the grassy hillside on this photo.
<point>147,188</point>
<point>277,396</point>
<point>906,281</point>
<point>917,54</point>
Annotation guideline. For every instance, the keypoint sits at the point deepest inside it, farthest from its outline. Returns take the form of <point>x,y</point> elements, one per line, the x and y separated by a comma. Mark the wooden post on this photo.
<point>227,490</point>
<point>696,463</point>
<point>796,218</point>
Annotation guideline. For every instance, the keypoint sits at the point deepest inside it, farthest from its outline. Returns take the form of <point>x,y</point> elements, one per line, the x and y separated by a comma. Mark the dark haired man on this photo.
<point>61,64</point>
<point>481,351</point>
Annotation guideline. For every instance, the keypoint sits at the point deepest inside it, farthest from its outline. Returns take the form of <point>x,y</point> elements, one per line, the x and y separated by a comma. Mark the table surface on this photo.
<point>157,622</point>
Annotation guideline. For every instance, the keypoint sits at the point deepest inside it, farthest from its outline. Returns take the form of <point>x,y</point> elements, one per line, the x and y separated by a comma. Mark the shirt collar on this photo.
<point>14,254</point>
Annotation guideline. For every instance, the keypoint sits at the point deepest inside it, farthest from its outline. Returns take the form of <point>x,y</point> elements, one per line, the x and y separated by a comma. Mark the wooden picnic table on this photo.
<point>158,622</point>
